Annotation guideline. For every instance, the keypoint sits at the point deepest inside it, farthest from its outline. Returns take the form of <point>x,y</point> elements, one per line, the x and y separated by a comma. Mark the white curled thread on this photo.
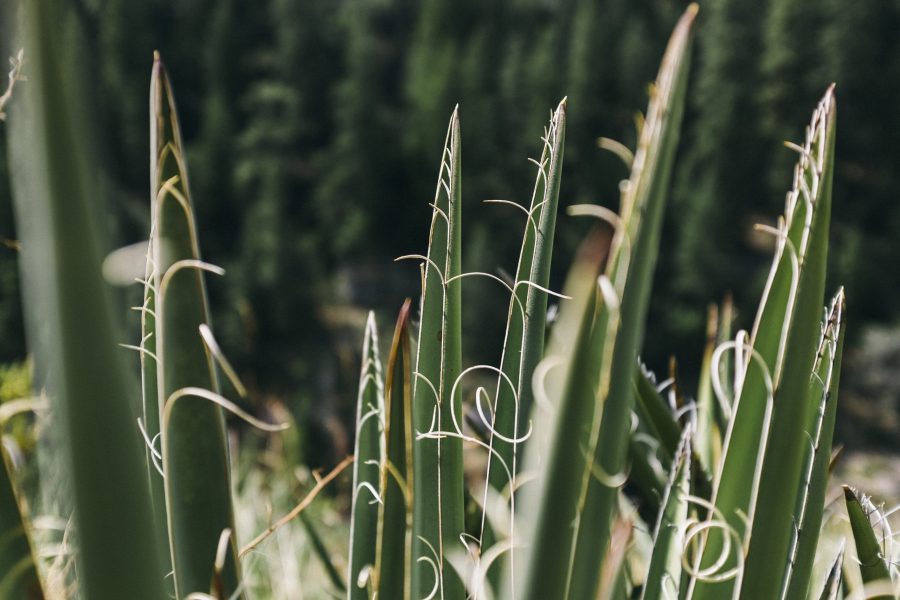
<point>187,263</point>
<point>212,346</point>
<point>529,213</point>
<point>197,392</point>
<point>617,148</point>
<point>433,433</point>
<point>621,239</point>
<point>443,186</point>
<point>749,351</point>
<point>373,413</point>
<point>730,536</point>
<point>518,305</point>
<point>434,561</point>
<point>155,455</point>
<point>539,199</point>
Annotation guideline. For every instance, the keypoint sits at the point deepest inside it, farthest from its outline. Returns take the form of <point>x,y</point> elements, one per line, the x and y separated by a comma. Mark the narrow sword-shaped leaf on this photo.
<point>526,325</point>
<point>321,551</point>
<point>823,393</point>
<point>367,467</point>
<point>707,441</point>
<point>195,452</point>
<point>655,413</point>
<point>832,588</point>
<point>652,447</point>
<point>437,412</point>
<point>70,328</point>
<point>772,520</point>
<point>737,481</point>
<point>631,271</point>
<point>869,551</point>
<point>394,547</point>
<point>664,574</point>
<point>548,507</point>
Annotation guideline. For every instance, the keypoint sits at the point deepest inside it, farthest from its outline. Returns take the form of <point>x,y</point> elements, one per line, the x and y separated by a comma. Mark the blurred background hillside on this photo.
<point>315,127</point>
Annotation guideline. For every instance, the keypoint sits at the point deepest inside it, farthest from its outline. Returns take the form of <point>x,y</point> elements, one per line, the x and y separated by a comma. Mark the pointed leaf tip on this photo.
<point>404,310</point>
<point>849,494</point>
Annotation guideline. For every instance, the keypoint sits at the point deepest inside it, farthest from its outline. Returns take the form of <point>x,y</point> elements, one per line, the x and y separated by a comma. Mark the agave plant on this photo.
<point>599,482</point>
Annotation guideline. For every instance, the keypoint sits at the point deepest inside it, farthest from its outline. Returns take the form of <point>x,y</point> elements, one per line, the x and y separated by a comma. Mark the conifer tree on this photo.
<point>717,183</point>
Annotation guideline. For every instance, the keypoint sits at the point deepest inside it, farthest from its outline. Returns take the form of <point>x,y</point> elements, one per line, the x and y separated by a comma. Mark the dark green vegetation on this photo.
<point>579,477</point>
<point>311,125</point>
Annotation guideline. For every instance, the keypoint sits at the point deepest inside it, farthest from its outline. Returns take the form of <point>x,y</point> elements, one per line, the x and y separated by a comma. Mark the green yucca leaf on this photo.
<point>437,402</point>
<point>823,392</point>
<point>773,517</point>
<point>630,270</point>
<point>832,588</point>
<point>539,569</point>
<point>785,335</point>
<point>869,551</point>
<point>651,448</point>
<point>71,330</point>
<point>394,545</point>
<point>653,412</point>
<point>707,438</point>
<point>664,574</point>
<point>18,570</point>
<point>568,505</point>
<point>646,478</point>
<point>526,325</point>
<point>194,449</point>
<point>367,467</point>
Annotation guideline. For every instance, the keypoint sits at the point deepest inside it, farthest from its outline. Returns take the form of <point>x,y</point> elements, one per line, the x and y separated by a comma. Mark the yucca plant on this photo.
<point>580,444</point>
<point>599,482</point>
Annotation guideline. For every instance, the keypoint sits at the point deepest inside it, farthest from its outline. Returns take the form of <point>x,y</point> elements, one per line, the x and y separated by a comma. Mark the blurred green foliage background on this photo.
<point>313,128</point>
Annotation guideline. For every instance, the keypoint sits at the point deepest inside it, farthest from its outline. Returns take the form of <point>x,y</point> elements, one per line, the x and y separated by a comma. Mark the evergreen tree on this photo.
<point>359,199</point>
<point>717,184</point>
<point>794,77</point>
<point>861,48</point>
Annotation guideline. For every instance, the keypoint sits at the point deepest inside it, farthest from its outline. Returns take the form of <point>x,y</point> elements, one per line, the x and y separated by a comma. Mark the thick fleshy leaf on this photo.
<point>438,497</point>
<point>664,575</point>
<point>630,271</point>
<point>562,527</point>
<point>394,547</point>
<point>773,516</point>
<point>526,326</point>
<point>70,327</point>
<point>194,445</point>
<point>823,393</point>
<point>367,467</point>
<point>869,550</point>
<point>776,363</point>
